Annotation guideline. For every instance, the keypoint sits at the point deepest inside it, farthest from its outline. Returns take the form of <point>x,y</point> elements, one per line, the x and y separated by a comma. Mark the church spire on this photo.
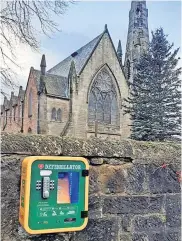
<point>119,52</point>
<point>138,36</point>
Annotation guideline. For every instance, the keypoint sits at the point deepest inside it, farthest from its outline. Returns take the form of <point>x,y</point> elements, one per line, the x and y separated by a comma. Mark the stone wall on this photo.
<point>134,191</point>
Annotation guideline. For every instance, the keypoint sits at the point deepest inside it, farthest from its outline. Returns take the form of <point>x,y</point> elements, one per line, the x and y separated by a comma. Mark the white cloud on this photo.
<point>27,58</point>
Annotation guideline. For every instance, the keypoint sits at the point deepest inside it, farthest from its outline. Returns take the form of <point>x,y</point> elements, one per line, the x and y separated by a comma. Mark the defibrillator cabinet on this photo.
<point>54,194</point>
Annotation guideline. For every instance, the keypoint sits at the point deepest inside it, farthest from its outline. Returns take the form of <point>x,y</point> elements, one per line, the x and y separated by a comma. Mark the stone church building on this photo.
<point>82,95</point>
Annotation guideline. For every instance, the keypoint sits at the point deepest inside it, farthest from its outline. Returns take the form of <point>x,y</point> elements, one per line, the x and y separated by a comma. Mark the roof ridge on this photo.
<point>79,50</point>
<point>50,74</point>
<point>89,42</point>
<point>55,75</point>
<point>100,36</point>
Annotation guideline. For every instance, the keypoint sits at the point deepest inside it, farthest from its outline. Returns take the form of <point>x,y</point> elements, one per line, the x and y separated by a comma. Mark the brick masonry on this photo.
<point>30,122</point>
<point>11,118</point>
<point>132,195</point>
<point>14,120</point>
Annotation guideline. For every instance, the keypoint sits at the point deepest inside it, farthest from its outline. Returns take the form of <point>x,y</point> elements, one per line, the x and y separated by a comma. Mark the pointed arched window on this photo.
<point>53,114</point>
<point>30,103</point>
<point>103,105</point>
<point>19,112</point>
<point>15,113</point>
<point>138,12</point>
<point>59,115</point>
<point>29,130</point>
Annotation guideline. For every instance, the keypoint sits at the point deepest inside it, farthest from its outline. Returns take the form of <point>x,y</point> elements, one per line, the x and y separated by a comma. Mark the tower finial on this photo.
<point>119,52</point>
<point>105,27</point>
<point>43,65</point>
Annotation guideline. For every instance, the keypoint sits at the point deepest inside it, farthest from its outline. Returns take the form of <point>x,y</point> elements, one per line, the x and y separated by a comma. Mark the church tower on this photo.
<point>138,36</point>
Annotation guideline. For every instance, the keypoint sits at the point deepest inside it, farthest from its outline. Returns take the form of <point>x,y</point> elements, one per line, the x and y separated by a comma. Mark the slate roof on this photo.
<point>80,58</point>
<point>56,79</point>
<point>55,85</point>
<point>13,101</point>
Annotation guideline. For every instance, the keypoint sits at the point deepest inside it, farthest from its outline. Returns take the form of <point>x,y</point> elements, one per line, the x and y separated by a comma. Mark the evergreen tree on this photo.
<point>155,98</point>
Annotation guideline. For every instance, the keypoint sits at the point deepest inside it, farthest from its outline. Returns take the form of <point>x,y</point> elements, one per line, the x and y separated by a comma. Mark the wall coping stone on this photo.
<point>138,152</point>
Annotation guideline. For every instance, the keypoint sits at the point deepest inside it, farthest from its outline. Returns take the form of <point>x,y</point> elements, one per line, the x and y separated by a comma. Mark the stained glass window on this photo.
<point>14,113</point>
<point>30,103</point>
<point>103,105</point>
<point>53,115</point>
<point>59,115</point>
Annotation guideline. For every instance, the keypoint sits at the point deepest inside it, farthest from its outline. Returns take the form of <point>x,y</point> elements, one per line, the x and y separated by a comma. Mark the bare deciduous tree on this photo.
<point>20,23</point>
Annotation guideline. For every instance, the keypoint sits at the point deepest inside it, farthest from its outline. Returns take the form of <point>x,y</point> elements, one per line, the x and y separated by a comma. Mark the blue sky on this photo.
<point>84,20</point>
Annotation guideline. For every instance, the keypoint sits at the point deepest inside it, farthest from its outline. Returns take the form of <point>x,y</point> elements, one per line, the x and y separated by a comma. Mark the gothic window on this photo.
<point>59,115</point>
<point>128,68</point>
<point>6,117</point>
<point>139,6</point>
<point>138,12</point>
<point>53,115</point>
<point>14,113</point>
<point>114,110</point>
<point>30,103</point>
<point>103,105</point>
<point>29,130</point>
<point>19,113</point>
<point>10,114</point>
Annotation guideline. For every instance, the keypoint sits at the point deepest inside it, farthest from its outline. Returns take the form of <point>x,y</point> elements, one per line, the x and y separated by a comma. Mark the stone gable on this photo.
<point>104,54</point>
